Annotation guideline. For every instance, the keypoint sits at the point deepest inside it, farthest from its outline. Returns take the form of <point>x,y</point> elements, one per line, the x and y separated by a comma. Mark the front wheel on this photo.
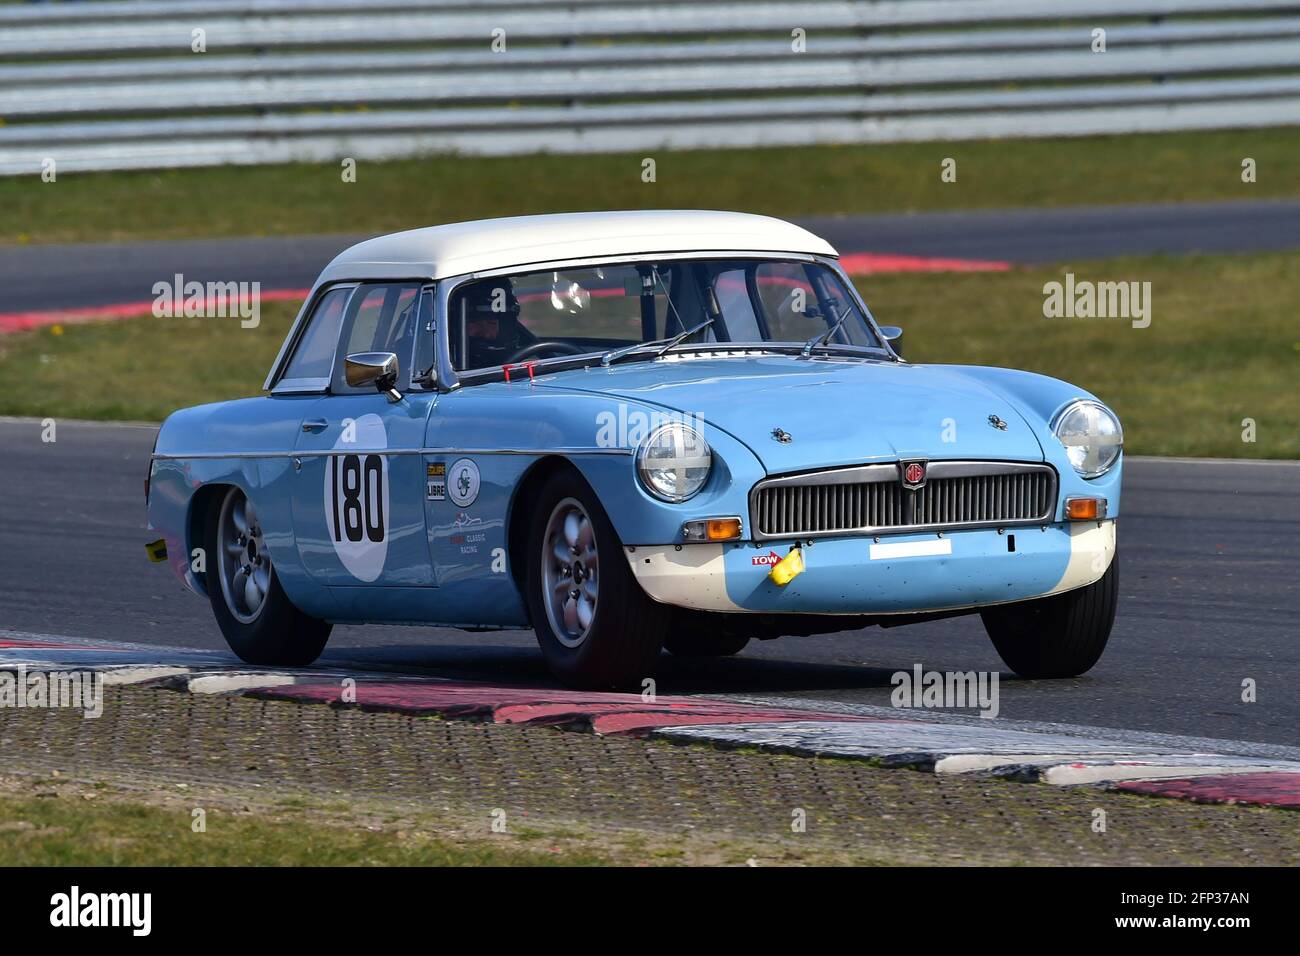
<point>595,625</point>
<point>1058,636</point>
<point>260,623</point>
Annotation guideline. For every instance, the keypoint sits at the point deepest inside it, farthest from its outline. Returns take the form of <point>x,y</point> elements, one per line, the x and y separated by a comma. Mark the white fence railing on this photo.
<point>119,85</point>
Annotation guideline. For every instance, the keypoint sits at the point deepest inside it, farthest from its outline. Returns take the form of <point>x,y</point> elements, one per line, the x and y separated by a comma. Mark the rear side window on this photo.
<point>313,359</point>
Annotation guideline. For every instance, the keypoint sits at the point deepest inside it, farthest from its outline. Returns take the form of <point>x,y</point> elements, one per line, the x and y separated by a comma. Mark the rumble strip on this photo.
<point>1057,755</point>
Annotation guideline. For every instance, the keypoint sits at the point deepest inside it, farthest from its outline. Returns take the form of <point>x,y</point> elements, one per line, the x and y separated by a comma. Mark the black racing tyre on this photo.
<point>595,626</point>
<point>260,623</point>
<point>1059,636</point>
<point>690,636</point>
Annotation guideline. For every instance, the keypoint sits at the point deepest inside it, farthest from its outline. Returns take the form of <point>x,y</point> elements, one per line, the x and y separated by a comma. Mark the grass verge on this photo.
<point>94,826</point>
<point>816,180</point>
<point>1222,346</point>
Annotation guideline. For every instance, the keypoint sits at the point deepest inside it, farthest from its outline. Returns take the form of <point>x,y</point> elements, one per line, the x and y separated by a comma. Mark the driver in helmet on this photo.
<point>493,332</point>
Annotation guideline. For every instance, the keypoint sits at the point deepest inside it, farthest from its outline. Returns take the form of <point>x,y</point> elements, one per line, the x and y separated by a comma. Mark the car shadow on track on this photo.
<point>524,666</point>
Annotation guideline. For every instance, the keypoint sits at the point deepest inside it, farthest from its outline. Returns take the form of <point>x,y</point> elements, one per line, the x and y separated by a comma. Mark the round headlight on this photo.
<point>1092,437</point>
<point>673,462</point>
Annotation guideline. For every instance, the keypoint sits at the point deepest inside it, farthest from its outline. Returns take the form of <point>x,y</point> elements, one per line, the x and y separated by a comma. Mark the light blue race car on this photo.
<point>633,431</point>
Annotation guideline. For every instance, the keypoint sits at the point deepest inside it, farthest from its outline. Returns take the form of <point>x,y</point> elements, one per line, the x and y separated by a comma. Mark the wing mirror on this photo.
<point>894,336</point>
<point>373,368</point>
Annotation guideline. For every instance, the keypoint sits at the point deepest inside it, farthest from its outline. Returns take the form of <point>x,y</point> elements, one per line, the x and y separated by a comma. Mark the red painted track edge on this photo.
<point>857,263</point>
<point>27,321</point>
<point>1264,789</point>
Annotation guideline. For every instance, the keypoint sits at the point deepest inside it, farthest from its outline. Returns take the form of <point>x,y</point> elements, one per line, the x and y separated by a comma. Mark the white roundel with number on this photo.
<point>356,497</point>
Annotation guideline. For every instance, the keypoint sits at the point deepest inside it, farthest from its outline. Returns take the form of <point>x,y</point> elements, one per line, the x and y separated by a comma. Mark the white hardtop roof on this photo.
<point>464,247</point>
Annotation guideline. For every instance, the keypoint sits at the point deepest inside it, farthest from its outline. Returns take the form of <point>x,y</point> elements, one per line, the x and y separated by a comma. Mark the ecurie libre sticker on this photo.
<point>435,474</point>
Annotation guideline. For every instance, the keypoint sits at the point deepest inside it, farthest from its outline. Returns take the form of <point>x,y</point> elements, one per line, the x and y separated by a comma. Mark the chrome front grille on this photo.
<point>873,498</point>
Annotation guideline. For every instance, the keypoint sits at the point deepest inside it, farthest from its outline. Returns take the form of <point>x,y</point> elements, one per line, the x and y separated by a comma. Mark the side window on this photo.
<point>312,362</point>
<point>381,318</point>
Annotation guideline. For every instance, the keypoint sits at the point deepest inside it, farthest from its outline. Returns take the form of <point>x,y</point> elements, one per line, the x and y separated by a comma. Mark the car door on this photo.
<point>359,482</point>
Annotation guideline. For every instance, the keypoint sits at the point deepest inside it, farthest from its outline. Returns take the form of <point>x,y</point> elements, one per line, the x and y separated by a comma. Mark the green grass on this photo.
<point>72,831</point>
<point>1223,345</point>
<point>300,199</point>
<point>137,369</point>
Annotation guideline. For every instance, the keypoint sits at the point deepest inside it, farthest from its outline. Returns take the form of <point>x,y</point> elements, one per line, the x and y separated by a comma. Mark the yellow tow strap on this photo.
<point>788,568</point>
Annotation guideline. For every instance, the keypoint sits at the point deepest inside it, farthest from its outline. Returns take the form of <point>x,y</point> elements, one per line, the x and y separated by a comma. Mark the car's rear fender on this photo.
<point>181,492</point>
<point>205,450</point>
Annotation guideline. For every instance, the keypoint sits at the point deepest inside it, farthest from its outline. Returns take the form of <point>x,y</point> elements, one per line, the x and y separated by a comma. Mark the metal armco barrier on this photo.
<point>119,85</point>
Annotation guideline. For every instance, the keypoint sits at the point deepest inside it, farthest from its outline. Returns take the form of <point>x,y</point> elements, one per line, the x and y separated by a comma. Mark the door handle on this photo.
<point>315,425</point>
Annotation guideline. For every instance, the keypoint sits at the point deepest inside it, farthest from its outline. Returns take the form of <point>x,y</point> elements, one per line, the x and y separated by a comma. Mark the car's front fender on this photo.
<point>598,435</point>
<point>1039,399</point>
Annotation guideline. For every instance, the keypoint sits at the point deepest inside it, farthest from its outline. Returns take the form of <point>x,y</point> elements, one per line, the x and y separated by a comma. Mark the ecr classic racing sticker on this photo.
<point>356,498</point>
<point>436,481</point>
<point>468,535</point>
<point>462,482</point>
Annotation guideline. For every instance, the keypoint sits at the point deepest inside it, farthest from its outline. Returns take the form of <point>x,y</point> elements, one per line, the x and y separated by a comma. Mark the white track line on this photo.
<point>30,420</point>
<point>1175,460</point>
<point>230,683</point>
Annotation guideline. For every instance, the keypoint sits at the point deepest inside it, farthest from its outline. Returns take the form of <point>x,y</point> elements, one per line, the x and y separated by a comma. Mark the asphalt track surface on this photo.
<point>50,277</point>
<point>1209,597</point>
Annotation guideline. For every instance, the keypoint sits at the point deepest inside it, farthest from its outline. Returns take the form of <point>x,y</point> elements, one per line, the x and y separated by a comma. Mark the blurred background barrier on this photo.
<point>152,84</point>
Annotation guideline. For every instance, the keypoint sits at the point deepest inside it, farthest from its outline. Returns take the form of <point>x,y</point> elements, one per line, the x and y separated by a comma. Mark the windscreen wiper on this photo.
<point>821,338</point>
<point>681,337</point>
<point>613,356</point>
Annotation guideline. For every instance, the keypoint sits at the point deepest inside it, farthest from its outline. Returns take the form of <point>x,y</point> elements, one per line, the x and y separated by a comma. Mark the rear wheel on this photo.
<point>595,625</point>
<point>1059,636</point>
<point>260,623</point>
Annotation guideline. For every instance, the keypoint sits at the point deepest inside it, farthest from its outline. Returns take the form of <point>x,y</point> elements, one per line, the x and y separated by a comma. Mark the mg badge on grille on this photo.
<point>913,474</point>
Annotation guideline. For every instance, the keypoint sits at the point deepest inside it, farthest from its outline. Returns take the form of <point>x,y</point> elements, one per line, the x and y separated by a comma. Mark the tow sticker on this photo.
<point>356,498</point>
